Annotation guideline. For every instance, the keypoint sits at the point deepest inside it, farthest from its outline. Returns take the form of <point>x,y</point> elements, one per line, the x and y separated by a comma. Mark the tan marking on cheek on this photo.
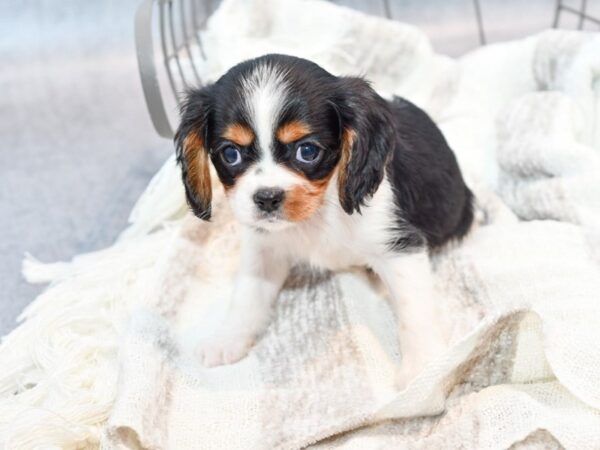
<point>347,141</point>
<point>240,134</point>
<point>292,131</point>
<point>303,200</point>
<point>198,166</point>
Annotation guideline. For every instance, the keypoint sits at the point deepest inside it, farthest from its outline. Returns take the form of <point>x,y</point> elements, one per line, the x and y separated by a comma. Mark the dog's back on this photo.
<point>426,179</point>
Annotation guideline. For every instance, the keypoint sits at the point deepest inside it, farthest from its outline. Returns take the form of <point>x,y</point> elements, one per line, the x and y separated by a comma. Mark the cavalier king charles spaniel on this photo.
<point>320,169</point>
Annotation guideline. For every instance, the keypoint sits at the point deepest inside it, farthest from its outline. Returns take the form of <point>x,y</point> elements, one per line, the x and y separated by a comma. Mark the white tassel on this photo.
<point>58,368</point>
<point>37,272</point>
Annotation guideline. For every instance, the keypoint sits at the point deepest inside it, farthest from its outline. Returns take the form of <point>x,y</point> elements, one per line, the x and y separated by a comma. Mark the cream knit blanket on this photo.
<point>105,356</point>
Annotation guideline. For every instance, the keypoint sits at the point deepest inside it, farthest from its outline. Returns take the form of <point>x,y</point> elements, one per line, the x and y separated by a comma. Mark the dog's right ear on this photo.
<point>192,152</point>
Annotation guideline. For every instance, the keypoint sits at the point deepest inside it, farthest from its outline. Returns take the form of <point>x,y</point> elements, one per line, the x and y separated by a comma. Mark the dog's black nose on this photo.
<point>269,199</point>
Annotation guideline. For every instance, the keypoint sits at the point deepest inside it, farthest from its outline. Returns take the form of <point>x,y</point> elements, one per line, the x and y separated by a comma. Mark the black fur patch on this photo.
<point>428,186</point>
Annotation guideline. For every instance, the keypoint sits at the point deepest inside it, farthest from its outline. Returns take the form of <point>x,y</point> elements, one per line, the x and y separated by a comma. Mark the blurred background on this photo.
<point>77,146</point>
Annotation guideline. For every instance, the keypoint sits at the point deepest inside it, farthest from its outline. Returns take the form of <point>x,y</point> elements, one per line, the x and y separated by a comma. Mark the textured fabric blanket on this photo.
<point>105,356</point>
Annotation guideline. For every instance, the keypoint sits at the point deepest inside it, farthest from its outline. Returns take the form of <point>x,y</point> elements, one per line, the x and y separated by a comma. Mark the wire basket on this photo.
<point>177,24</point>
<point>173,61</point>
<point>584,19</point>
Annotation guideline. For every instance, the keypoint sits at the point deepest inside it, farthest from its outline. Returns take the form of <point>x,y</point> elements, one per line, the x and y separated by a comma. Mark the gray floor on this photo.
<point>76,144</point>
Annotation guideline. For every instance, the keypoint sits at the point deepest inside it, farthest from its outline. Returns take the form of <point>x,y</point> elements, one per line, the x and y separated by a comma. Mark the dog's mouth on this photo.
<point>269,216</point>
<point>272,221</point>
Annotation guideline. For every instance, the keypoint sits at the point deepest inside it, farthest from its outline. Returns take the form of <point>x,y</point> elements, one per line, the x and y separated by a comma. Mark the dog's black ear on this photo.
<point>367,137</point>
<point>192,152</point>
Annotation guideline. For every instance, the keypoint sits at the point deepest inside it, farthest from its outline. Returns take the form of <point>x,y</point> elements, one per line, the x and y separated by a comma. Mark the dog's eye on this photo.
<point>307,153</point>
<point>231,155</point>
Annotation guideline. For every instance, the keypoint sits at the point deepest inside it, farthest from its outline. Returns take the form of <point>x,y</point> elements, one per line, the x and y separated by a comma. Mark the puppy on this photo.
<point>320,169</point>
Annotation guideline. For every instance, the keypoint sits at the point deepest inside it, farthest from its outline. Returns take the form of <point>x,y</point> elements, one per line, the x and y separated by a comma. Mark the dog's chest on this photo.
<point>327,251</point>
<point>334,242</point>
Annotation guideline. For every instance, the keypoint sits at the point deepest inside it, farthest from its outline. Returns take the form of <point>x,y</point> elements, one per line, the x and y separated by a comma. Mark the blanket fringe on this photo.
<point>37,272</point>
<point>58,362</point>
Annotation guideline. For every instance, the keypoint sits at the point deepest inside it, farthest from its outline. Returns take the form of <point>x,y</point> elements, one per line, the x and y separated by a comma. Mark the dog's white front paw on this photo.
<point>224,348</point>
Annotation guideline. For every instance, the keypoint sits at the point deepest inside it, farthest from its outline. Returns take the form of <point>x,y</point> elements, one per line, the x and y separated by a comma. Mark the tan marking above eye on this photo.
<point>239,134</point>
<point>292,131</point>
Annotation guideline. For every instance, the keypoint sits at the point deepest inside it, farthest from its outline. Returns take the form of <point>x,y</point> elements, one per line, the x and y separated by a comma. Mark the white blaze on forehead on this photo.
<point>264,91</point>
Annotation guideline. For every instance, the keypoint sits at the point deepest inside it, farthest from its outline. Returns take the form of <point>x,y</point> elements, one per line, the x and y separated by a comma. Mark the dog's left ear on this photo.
<point>367,138</point>
<point>192,152</point>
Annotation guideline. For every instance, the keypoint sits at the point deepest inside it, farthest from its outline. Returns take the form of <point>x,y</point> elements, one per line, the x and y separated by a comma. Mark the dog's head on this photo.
<point>278,130</point>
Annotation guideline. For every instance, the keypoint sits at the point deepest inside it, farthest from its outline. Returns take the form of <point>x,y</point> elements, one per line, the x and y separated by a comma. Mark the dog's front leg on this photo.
<point>260,277</point>
<point>415,304</point>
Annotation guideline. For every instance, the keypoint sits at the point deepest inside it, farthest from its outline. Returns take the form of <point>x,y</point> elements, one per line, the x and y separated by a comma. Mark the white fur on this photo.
<point>264,90</point>
<point>263,270</point>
